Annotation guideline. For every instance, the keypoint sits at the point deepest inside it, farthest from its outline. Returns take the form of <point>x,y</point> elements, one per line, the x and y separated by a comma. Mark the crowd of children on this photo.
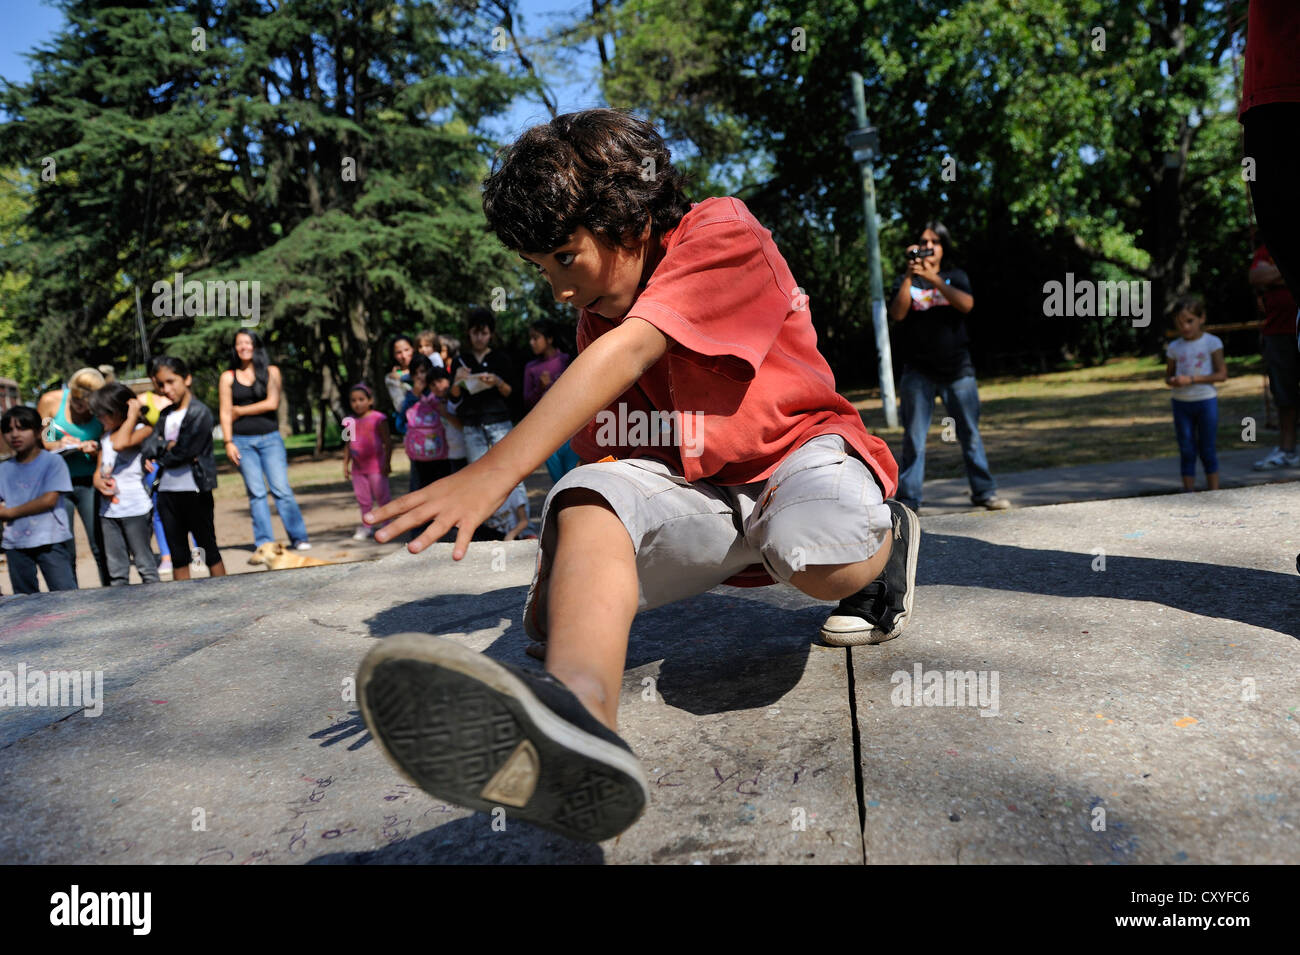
<point>146,468</point>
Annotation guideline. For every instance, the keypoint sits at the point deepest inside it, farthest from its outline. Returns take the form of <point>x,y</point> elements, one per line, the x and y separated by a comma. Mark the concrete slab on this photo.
<point>1162,691</point>
<point>1159,695</point>
<point>227,735</point>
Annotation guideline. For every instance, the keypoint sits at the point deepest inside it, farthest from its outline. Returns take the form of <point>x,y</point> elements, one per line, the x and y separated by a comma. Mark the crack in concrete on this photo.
<point>857,755</point>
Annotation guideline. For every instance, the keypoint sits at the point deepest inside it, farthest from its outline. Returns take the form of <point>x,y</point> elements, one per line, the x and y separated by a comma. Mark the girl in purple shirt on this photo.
<point>539,375</point>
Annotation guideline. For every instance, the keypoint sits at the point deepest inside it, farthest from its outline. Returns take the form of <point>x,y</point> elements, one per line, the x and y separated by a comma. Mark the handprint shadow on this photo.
<point>338,732</point>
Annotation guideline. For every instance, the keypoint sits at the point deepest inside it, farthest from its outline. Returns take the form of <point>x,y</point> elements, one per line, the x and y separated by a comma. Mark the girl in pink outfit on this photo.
<point>426,435</point>
<point>369,454</point>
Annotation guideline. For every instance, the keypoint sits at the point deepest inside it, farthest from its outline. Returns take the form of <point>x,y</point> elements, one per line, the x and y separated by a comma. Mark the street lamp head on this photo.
<point>864,143</point>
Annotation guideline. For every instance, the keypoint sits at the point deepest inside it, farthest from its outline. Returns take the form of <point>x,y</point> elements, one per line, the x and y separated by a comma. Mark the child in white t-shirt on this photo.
<point>1195,364</point>
<point>510,521</point>
<point>126,513</point>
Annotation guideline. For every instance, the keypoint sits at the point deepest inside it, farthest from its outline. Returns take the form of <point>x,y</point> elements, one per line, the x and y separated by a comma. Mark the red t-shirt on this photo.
<point>1279,305</point>
<point>742,361</point>
<point>1272,61</point>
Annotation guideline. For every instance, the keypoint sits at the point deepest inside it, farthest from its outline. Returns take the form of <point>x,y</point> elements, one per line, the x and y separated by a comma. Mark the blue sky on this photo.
<point>30,23</point>
<point>27,24</point>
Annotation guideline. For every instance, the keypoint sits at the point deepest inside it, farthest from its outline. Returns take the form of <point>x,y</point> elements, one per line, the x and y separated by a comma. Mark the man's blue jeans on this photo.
<point>265,467</point>
<point>962,402</point>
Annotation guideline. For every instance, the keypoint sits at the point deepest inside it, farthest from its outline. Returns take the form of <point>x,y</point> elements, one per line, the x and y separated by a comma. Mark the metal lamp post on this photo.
<point>865,145</point>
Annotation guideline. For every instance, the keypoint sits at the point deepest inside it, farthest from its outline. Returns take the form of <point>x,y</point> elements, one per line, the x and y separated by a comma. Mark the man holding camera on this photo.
<point>929,304</point>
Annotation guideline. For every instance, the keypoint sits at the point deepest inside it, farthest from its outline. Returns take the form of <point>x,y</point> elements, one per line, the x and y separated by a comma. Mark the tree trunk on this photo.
<point>321,418</point>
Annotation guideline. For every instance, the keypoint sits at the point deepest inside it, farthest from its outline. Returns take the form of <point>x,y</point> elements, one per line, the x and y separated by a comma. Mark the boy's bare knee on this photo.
<point>586,512</point>
<point>577,497</point>
<point>837,581</point>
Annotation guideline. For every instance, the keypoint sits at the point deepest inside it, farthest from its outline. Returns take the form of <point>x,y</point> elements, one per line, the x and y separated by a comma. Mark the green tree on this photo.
<point>330,152</point>
<point>15,192</point>
<point>1002,117</point>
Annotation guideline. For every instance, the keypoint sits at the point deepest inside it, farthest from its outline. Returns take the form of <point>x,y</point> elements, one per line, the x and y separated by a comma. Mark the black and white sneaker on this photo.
<point>879,611</point>
<point>482,734</point>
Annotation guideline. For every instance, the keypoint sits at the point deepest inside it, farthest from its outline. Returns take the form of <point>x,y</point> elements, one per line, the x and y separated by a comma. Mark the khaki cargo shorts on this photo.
<point>822,505</point>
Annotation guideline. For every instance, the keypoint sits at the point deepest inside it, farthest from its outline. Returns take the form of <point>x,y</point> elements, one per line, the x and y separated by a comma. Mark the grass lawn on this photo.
<point>1119,411</point>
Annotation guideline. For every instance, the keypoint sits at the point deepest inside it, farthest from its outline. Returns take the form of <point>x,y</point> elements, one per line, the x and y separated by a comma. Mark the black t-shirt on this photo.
<point>486,407</point>
<point>241,394</point>
<point>932,337</point>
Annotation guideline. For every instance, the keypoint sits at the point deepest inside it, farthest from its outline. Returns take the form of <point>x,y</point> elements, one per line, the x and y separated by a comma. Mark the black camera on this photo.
<point>914,254</point>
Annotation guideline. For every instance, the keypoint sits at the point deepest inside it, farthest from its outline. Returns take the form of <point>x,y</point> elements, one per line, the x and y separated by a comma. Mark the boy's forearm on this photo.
<point>606,369</point>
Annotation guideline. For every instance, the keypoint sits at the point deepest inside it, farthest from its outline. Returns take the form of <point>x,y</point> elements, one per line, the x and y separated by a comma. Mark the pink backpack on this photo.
<point>425,438</point>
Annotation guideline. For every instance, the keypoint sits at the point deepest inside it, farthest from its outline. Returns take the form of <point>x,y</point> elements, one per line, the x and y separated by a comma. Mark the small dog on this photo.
<point>278,557</point>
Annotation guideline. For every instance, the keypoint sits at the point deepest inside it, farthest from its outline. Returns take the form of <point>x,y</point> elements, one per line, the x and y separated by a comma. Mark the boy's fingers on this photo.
<point>392,509</point>
<point>432,534</point>
<point>399,524</point>
<point>463,538</point>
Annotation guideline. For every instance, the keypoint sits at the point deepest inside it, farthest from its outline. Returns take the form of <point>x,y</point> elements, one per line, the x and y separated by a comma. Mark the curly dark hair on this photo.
<point>600,168</point>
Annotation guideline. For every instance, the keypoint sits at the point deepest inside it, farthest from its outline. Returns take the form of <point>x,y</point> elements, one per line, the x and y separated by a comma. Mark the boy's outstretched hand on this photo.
<point>604,370</point>
<point>463,500</point>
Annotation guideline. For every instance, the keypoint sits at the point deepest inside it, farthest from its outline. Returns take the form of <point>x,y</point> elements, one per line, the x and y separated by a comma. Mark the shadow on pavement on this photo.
<point>719,653</point>
<point>470,841</point>
<point>1259,598</point>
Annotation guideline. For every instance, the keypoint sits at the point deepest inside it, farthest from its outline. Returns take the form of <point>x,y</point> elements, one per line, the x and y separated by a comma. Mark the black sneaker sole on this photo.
<point>467,730</point>
<point>911,527</point>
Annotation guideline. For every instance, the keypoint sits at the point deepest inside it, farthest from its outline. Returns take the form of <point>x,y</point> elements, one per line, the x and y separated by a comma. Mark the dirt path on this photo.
<point>328,508</point>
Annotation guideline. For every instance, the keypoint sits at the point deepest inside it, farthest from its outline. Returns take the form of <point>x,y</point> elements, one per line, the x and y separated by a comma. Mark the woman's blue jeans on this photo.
<point>265,468</point>
<point>961,400</point>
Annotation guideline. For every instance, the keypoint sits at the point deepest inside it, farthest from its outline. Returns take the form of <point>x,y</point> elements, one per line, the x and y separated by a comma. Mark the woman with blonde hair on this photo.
<point>72,431</point>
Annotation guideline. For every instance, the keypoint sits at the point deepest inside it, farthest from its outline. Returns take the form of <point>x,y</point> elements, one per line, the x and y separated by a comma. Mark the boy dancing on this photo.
<point>723,454</point>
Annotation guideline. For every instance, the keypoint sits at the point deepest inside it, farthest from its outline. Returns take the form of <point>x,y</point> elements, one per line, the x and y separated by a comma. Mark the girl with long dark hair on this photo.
<point>929,306</point>
<point>250,392</point>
